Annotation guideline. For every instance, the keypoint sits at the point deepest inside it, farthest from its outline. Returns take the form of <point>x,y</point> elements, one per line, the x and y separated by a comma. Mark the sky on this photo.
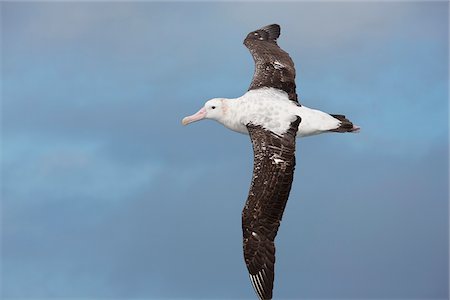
<point>104,194</point>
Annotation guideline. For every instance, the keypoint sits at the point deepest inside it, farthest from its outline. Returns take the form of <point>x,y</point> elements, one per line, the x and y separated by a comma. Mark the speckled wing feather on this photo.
<point>273,171</point>
<point>273,66</point>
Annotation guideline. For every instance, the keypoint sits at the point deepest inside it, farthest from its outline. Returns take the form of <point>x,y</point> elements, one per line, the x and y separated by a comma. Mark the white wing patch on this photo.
<point>258,283</point>
<point>277,65</point>
<point>276,159</point>
<point>253,283</point>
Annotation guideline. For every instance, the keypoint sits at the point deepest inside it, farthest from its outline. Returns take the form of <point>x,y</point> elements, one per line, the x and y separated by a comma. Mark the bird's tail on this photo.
<point>345,126</point>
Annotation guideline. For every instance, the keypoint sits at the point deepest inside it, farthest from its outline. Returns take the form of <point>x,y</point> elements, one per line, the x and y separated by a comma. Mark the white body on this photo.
<point>272,109</point>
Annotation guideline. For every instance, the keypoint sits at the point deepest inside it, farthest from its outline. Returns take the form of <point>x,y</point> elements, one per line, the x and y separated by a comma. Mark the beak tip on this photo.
<point>195,117</point>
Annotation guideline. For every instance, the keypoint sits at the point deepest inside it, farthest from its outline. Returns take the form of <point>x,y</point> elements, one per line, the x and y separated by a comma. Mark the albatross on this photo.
<point>270,113</point>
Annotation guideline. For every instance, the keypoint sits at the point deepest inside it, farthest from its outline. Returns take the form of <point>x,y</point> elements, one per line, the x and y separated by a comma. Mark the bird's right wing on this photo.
<point>273,66</point>
<point>273,171</point>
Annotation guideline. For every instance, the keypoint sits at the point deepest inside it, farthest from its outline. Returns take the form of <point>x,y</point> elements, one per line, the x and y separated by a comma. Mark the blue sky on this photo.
<point>106,195</point>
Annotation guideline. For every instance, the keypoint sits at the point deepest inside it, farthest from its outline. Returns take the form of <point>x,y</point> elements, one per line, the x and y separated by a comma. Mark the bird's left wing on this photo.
<point>273,171</point>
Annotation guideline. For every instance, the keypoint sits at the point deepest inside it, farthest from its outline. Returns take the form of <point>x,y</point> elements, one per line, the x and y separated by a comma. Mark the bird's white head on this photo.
<point>214,109</point>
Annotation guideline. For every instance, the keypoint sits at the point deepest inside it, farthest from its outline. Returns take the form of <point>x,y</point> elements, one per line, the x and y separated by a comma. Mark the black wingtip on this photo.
<point>273,30</point>
<point>268,33</point>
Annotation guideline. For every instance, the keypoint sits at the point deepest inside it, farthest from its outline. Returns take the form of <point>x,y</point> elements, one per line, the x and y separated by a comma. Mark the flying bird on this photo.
<point>270,113</point>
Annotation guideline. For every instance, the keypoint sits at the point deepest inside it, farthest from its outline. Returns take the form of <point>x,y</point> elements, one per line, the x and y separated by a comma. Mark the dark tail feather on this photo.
<point>346,125</point>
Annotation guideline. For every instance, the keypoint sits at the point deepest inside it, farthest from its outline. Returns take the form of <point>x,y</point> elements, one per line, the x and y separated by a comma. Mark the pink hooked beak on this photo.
<point>195,117</point>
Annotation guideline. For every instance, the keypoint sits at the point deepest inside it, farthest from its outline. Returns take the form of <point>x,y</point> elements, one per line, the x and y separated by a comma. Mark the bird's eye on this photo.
<point>213,107</point>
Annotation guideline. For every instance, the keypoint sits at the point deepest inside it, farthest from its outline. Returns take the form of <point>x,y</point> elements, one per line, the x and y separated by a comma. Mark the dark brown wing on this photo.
<point>273,66</point>
<point>273,171</point>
